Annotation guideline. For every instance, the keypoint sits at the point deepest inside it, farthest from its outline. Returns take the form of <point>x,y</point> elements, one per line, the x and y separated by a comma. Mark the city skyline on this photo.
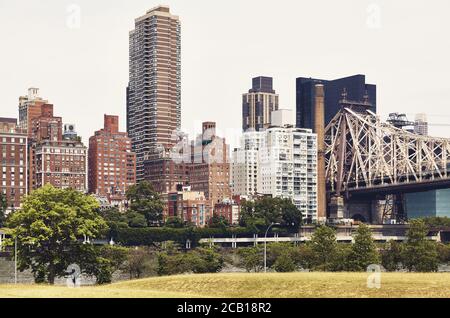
<point>217,61</point>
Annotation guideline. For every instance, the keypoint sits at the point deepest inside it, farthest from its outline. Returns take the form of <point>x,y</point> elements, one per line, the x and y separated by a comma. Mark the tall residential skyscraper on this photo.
<point>258,104</point>
<point>354,86</point>
<point>154,88</point>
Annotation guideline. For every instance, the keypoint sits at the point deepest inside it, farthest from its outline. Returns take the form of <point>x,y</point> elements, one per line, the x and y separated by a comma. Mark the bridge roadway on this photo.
<point>407,187</point>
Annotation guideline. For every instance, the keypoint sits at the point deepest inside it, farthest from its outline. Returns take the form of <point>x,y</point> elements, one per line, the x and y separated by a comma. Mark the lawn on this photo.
<point>292,285</point>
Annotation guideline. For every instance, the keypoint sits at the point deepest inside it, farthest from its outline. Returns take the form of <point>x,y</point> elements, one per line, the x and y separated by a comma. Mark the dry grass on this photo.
<point>293,285</point>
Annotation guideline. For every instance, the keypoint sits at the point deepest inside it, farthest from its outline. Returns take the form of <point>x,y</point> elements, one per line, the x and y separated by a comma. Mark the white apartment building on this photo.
<point>281,162</point>
<point>245,164</point>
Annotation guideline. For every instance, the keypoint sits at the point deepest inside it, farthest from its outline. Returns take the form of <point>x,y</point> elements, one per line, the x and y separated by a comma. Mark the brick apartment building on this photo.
<point>209,171</point>
<point>190,206</point>
<point>112,164</point>
<point>62,164</point>
<point>165,174</point>
<point>30,108</point>
<point>13,163</point>
<point>54,157</point>
<point>230,210</point>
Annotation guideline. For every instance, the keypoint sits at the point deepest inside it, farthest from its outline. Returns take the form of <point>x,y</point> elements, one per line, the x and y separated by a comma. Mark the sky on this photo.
<point>76,52</point>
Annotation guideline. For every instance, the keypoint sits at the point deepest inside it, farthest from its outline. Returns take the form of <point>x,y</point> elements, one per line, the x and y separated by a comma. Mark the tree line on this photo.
<point>417,254</point>
<point>54,228</point>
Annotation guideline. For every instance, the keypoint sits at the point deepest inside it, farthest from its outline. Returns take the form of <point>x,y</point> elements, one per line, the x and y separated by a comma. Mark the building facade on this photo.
<point>421,125</point>
<point>165,174</point>
<point>53,157</point>
<point>282,162</point>
<point>112,164</point>
<point>245,164</point>
<point>258,104</point>
<point>355,88</point>
<point>209,170</point>
<point>13,164</point>
<point>30,107</point>
<point>154,88</point>
<point>190,206</point>
<point>62,164</point>
<point>229,210</point>
<point>434,203</point>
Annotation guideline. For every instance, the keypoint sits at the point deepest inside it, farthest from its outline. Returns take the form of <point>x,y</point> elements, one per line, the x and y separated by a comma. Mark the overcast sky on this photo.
<point>82,68</point>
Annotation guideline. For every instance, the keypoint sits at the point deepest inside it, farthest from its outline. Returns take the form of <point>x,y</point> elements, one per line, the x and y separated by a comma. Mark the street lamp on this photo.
<point>15,260</point>
<point>265,245</point>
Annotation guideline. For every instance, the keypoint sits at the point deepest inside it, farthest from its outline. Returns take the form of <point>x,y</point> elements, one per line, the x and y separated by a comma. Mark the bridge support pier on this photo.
<point>367,210</point>
<point>337,207</point>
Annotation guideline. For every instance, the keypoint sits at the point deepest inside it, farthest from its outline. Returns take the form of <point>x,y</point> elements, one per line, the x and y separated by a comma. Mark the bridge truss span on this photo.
<point>364,154</point>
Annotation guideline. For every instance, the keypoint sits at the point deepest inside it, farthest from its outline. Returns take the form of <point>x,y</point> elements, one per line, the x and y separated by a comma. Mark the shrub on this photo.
<point>200,260</point>
<point>391,256</point>
<point>251,258</point>
<point>284,263</point>
<point>205,260</point>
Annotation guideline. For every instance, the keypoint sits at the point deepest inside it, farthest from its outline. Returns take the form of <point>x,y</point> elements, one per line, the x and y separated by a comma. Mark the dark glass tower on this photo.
<point>355,87</point>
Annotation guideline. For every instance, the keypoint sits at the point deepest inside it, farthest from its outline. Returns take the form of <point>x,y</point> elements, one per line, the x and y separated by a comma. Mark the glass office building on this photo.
<point>428,204</point>
<point>355,87</point>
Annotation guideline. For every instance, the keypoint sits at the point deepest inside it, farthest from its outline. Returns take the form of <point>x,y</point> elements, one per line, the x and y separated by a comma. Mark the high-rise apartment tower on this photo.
<point>258,104</point>
<point>154,88</point>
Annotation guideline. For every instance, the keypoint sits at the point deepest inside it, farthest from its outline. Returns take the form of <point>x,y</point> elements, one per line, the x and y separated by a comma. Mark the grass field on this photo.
<point>293,285</point>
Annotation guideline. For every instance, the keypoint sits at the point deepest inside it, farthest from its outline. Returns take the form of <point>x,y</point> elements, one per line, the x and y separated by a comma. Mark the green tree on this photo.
<point>174,222</point>
<point>444,253</point>
<point>171,260</point>
<point>290,214</point>
<point>49,229</point>
<point>324,246</point>
<point>250,217</point>
<point>139,262</point>
<point>101,261</point>
<point>284,263</point>
<point>391,256</point>
<point>340,262</point>
<point>437,221</point>
<point>3,206</point>
<point>113,215</point>
<point>420,254</point>
<point>363,252</point>
<point>275,250</point>
<point>251,258</point>
<point>304,256</point>
<point>218,222</point>
<point>200,260</point>
<point>146,201</point>
<point>205,260</point>
<point>261,213</point>
<point>136,220</point>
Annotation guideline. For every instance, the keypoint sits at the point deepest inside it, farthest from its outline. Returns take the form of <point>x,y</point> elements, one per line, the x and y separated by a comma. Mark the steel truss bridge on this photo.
<point>367,158</point>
